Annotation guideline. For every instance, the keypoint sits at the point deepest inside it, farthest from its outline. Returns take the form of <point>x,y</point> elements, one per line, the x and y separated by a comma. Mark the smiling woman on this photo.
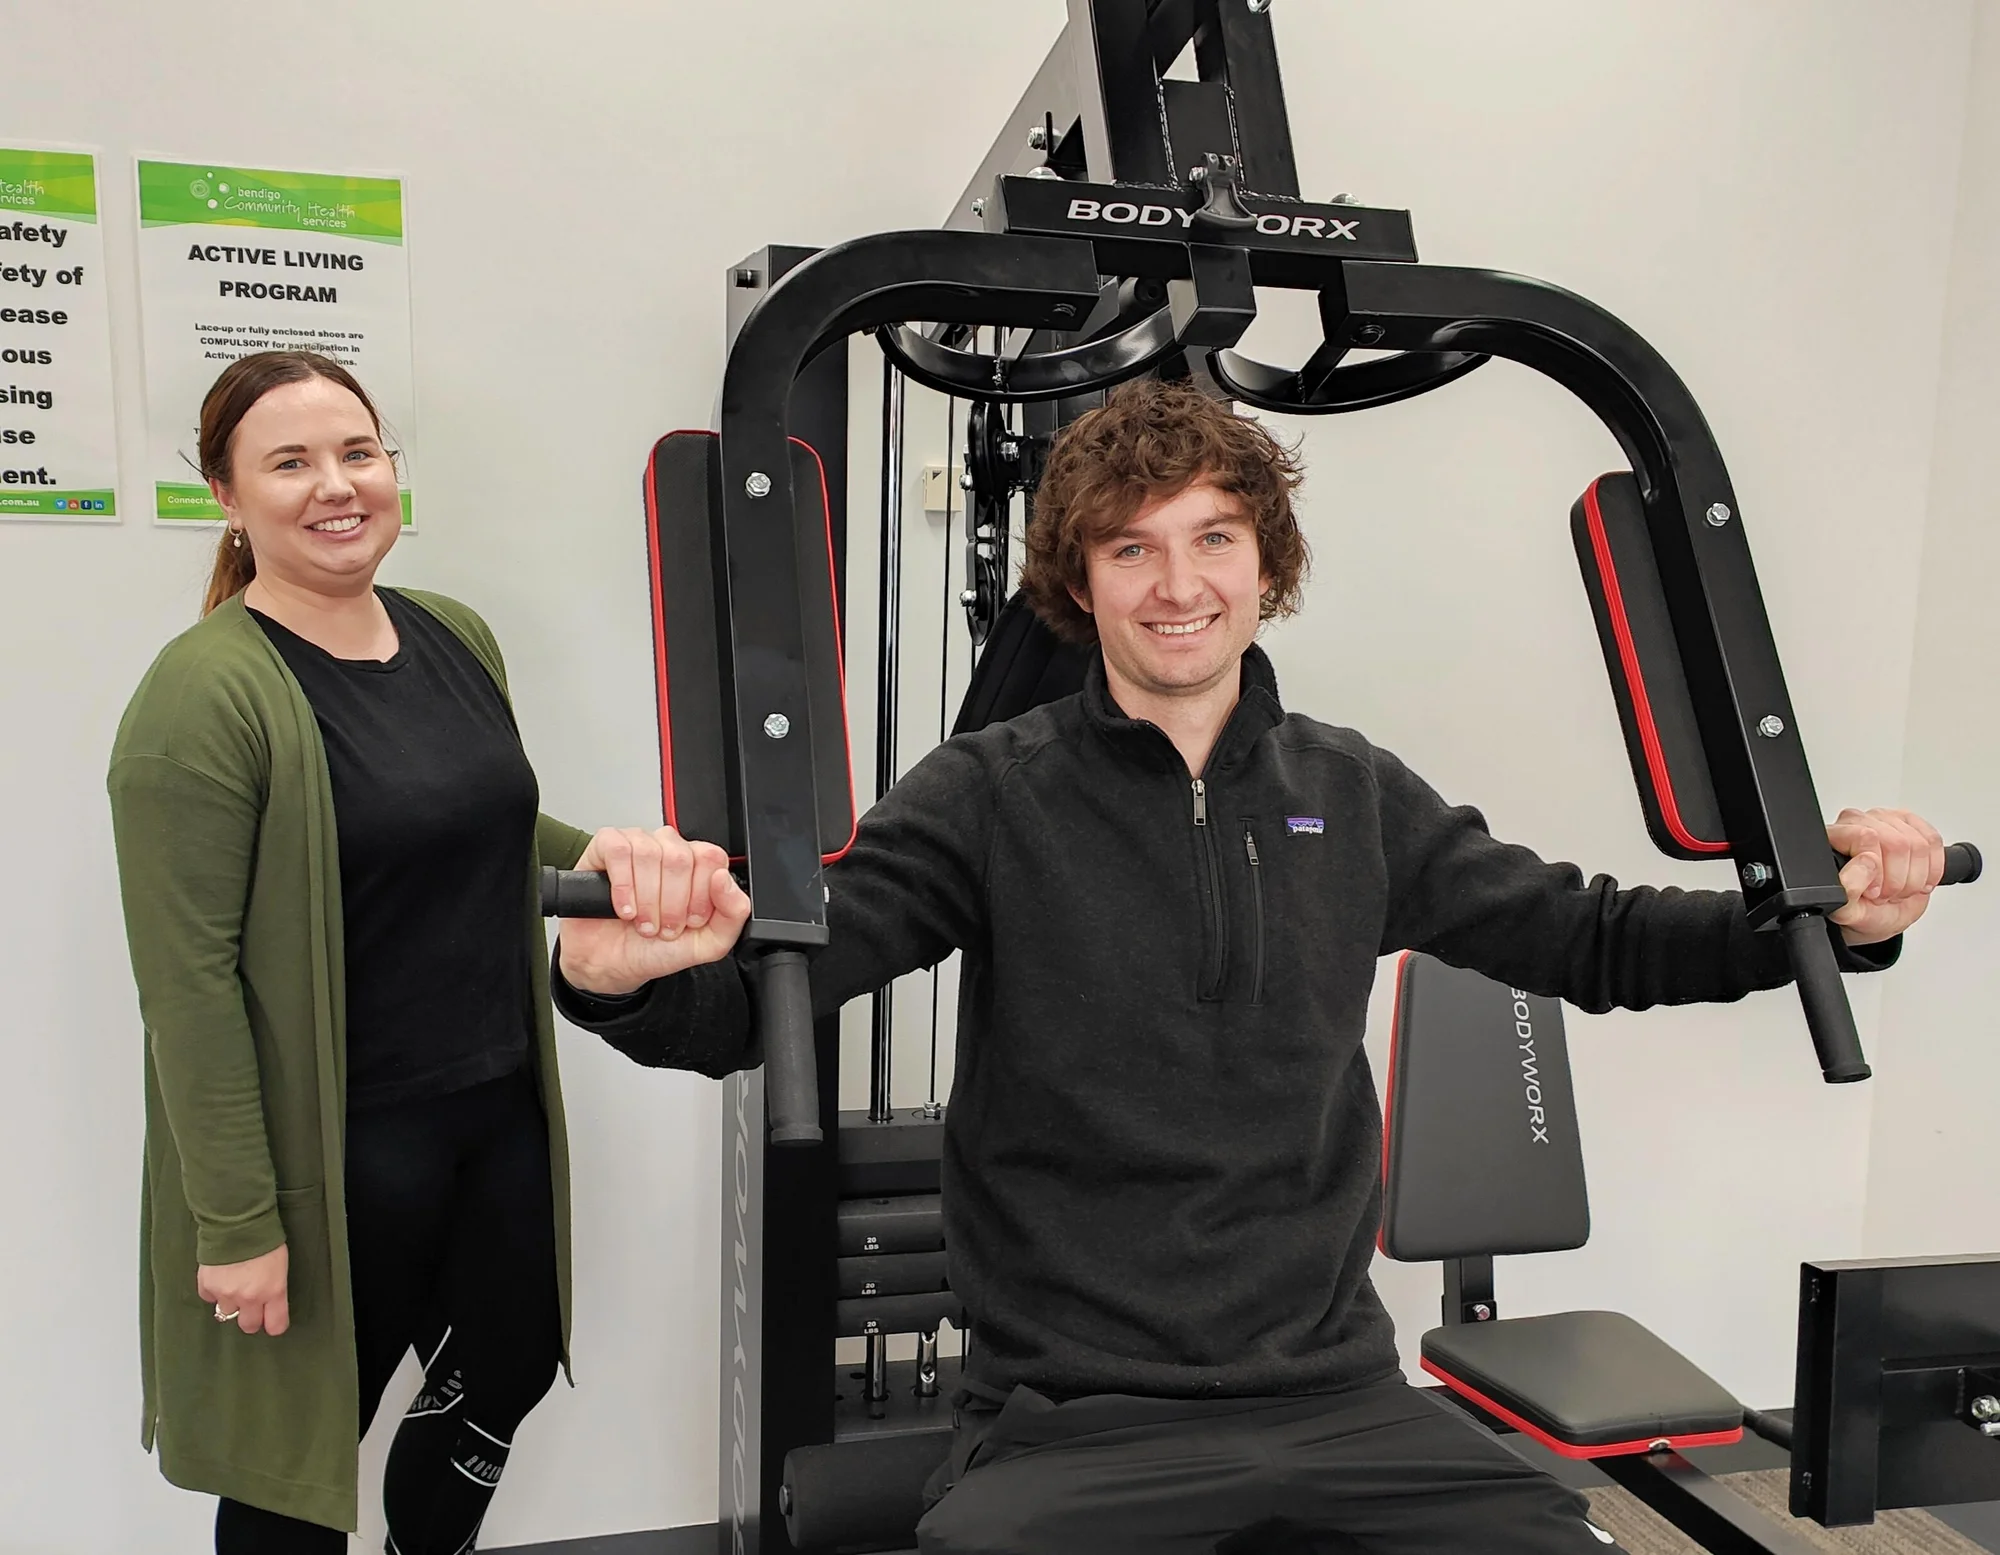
<point>258,422</point>
<point>328,837</point>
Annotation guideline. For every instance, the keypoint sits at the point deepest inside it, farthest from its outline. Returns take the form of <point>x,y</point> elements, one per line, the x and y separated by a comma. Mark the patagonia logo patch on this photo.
<point>1306,825</point>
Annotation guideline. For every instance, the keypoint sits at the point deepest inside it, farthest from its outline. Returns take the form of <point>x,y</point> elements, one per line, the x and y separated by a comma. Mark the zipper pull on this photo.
<point>1250,847</point>
<point>1200,802</point>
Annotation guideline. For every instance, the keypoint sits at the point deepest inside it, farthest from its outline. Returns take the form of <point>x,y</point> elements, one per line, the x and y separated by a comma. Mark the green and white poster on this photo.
<point>235,260</point>
<point>58,428</point>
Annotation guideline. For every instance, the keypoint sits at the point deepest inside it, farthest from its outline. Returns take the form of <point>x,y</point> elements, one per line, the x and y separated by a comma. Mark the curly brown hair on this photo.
<point>1148,441</point>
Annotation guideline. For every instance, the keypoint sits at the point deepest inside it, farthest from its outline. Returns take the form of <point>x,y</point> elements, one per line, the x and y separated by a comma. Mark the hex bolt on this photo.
<point>1770,726</point>
<point>933,1110</point>
<point>1986,1407</point>
<point>1718,514</point>
<point>1038,138</point>
<point>777,726</point>
<point>1481,1312</point>
<point>1755,875</point>
<point>757,483</point>
<point>968,596</point>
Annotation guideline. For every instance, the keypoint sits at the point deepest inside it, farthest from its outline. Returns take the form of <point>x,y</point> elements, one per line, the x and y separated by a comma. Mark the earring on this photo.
<point>236,538</point>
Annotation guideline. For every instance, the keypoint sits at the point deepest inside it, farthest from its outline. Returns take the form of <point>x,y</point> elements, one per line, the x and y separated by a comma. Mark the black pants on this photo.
<point>450,1228</point>
<point>1383,1469</point>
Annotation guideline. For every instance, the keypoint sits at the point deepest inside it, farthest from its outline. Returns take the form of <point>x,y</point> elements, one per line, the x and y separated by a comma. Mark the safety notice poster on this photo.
<point>235,260</point>
<point>58,432</point>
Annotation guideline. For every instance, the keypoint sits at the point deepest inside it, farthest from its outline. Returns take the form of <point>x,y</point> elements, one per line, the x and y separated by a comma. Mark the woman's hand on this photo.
<point>249,1294</point>
<point>678,906</point>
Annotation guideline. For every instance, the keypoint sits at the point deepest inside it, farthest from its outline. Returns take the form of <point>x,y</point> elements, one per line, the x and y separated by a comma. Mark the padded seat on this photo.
<point>1584,1384</point>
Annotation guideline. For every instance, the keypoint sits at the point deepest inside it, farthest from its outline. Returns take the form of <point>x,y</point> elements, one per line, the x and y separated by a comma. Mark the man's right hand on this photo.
<point>678,906</point>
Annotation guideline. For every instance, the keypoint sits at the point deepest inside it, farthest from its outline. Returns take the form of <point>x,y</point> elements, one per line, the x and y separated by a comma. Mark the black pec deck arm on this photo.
<point>1761,810</point>
<point>763,640</point>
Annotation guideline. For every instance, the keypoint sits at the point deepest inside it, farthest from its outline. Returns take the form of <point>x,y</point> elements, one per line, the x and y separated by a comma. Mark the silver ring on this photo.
<point>224,1317</point>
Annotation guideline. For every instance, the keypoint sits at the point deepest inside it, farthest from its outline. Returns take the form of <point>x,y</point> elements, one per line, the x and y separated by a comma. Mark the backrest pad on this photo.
<point>1481,1152</point>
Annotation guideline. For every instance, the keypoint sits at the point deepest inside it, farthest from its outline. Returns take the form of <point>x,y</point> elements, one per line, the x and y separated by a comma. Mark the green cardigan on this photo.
<point>229,866</point>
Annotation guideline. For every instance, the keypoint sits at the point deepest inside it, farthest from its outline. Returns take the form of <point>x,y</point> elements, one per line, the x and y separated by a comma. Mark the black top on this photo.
<point>1162,1156</point>
<point>434,803</point>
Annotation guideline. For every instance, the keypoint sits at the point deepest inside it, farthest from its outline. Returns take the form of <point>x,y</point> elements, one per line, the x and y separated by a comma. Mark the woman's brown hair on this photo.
<point>243,383</point>
<point>1153,440</point>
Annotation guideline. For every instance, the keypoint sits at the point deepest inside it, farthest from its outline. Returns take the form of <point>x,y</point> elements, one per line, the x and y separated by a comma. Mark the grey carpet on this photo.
<point>697,1540</point>
<point>1640,1532</point>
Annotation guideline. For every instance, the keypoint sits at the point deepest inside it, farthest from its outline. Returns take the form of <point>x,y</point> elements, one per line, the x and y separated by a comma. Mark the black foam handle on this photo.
<point>576,893</point>
<point>1828,1018</point>
<point>867,1492</point>
<point>791,1066</point>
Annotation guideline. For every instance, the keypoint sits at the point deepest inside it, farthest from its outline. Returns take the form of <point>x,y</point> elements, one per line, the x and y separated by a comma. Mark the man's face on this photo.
<point>1176,592</point>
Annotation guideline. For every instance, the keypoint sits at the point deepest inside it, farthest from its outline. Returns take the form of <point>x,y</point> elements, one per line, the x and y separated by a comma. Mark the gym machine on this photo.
<point>1120,226</point>
<point>1897,1394</point>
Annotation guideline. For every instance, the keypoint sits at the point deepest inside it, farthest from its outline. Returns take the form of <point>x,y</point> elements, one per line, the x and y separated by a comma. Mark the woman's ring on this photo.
<point>224,1317</point>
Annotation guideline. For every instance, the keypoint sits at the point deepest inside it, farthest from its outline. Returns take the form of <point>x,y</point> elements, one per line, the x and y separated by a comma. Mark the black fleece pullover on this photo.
<point>1161,1158</point>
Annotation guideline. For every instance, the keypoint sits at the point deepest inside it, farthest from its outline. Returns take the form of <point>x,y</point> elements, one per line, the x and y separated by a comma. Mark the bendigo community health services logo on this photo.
<point>206,189</point>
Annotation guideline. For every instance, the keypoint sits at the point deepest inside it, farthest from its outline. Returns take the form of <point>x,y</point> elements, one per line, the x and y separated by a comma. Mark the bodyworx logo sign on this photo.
<point>1124,213</point>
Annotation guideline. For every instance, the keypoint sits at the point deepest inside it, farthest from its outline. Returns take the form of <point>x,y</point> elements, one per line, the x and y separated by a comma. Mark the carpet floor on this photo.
<point>1640,1532</point>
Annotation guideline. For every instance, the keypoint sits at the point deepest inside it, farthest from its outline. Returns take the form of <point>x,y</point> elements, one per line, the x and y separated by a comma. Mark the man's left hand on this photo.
<point>1894,862</point>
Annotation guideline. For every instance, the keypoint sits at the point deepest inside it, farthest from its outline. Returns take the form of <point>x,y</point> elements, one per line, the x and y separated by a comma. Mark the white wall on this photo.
<point>1767,192</point>
<point>1934,1170</point>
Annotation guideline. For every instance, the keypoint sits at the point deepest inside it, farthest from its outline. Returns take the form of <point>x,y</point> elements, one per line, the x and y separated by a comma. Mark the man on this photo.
<point>1161,1159</point>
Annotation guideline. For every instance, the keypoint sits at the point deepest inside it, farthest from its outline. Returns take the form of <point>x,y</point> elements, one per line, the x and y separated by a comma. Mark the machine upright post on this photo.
<point>1468,1291</point>
<point>777,1244</point>
<point>888,675</point>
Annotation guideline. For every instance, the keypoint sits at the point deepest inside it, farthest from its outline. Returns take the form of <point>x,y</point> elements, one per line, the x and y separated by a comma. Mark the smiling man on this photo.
<point>1161,1183</point>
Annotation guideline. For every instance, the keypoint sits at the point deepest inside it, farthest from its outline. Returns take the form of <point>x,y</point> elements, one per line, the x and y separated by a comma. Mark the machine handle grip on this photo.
<point>784,1001</point>
<point>1817,972</point>
<point>791,1064</point>
<point>576,893</point>
<point>1828,1018</point>
<point>1962,864</point>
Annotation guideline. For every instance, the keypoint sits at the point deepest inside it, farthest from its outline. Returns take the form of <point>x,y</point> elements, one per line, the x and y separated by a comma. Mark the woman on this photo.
<point>327,841</point>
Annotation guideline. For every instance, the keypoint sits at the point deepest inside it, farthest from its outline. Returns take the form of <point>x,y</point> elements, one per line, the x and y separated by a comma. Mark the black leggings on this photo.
<point>451,1243</point>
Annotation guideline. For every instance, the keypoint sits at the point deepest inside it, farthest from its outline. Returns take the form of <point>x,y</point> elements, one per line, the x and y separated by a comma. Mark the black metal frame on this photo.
<point>777,1267</point>
<point>1891,1357</point>
<point>1749,727</point>
<point>1120,225</point>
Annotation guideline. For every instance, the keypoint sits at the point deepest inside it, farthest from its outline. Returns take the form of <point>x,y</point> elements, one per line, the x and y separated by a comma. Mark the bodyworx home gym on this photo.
<point>1122,226</point>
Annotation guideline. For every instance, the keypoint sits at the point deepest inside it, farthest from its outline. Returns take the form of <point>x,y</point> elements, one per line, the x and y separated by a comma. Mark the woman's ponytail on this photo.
<point>235,566</point>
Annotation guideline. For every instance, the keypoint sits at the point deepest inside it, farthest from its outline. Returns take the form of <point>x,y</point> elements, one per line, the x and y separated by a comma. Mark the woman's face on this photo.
<point>312,488</point>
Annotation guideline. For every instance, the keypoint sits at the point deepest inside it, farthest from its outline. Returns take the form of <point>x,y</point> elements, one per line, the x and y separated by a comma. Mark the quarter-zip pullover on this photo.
<point>1161,1157</point>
